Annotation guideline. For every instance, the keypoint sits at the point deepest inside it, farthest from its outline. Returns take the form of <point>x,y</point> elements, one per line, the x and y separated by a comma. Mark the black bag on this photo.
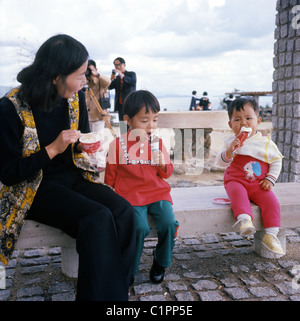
<point>105,101</point>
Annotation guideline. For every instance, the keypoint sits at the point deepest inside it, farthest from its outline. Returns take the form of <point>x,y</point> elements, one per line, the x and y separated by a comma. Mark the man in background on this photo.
<point>204,102</point>
<point>124,82</point>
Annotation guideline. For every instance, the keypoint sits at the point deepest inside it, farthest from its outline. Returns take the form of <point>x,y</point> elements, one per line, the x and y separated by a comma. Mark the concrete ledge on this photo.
<point>193,208</point>
<point>197,213</point>
<point>35,234</point>
<point>217,119</point>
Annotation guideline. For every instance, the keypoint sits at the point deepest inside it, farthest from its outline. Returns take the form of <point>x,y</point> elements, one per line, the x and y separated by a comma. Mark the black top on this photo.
<point>13,167</point>
<point>204,101</point>
<point>129,85</point>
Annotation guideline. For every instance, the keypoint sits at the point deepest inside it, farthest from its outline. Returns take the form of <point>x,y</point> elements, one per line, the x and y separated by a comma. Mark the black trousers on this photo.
<point>102,223</point>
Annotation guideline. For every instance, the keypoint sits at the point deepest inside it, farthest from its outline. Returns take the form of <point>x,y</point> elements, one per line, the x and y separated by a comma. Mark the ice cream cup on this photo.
<point>91,142</point>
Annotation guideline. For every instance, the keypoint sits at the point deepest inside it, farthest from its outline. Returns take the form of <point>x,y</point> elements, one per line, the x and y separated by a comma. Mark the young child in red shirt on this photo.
<point>137,164</point>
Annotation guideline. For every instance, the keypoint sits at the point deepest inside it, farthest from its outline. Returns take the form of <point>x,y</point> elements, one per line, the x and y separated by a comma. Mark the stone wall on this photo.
<point>286,88</point>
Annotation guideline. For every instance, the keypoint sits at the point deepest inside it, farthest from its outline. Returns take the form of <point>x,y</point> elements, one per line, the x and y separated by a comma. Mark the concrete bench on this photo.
<point>196,213</point>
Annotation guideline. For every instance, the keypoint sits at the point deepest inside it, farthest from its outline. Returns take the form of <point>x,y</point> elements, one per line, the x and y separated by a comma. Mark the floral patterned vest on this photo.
<point>16,200</point>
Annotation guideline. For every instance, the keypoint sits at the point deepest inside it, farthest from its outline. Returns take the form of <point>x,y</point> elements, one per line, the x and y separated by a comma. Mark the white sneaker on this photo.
<point>246,227</point>
<point>272,243</point>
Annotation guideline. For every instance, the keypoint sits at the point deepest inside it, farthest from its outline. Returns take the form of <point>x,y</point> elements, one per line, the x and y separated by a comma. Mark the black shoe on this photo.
<point>157,272</point>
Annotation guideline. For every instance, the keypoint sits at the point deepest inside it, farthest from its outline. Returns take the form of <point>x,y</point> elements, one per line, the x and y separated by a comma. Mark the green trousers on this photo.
<point>166,225</point>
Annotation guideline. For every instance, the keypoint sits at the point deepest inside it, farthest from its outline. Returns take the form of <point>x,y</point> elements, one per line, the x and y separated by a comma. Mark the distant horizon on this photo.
<point>5,88</point>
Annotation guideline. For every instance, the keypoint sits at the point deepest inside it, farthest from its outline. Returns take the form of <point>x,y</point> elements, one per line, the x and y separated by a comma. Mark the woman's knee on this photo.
<point>97,221</point>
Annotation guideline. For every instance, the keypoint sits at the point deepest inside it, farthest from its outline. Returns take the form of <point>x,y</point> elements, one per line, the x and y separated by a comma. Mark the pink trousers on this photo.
<point>241,194</point>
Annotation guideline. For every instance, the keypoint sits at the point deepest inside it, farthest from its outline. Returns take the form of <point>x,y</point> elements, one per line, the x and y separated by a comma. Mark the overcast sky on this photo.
<point>174,46</point>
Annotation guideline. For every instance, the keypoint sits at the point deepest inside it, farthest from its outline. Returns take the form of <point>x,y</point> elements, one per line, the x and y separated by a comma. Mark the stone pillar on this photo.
<point>286,88</point>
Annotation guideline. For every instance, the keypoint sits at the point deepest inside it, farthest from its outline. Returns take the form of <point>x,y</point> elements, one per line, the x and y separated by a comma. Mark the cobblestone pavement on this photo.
<point>208,267</point>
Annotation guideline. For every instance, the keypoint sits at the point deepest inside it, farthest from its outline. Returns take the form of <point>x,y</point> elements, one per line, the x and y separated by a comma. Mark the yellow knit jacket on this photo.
<point>16,200</point>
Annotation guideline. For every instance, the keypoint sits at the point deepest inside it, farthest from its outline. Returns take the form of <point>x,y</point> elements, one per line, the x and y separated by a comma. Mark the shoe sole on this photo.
<point>282,253</point>
<point>248,232</point>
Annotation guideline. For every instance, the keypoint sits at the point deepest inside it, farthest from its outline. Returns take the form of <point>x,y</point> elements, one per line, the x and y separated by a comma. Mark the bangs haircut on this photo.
<point>239,103</point>
<point>139,99</point>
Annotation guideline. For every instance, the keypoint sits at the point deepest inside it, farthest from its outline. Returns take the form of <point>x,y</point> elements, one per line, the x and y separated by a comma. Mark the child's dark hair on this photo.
<point>239,104</point>
<point>136,100</point>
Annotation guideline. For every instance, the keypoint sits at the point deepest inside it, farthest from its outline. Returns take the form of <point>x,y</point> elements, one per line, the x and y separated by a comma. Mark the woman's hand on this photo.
<point>64,139</point>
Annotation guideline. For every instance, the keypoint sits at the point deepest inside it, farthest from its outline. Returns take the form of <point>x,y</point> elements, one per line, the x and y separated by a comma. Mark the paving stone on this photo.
<point>286,288</point>
<point>141,278</point>
<point>33,253</point>
<point>241,243</point>
<point>191,241</point>
<point>33,269</point>
<point>250,280</point>
<point>150,244</point>
<point>232,237</point>
<point>33,298</point>
<point>146,288</point>
<point>8,283</point>
<point>11,264</point>
<point>224,251</point>
<point>33,281</point>
<point>242,250</point>
<point>234,269</point>
<point>288,263</point>
<point>264,266</point>
<point>176,287</point>
<point>54,251</point>
<point>275,278</point>
<point>210,296</point>
<point>203,255</point>
<point>181,249</point>
<point>31,291</point>
<point>205,285</point>
<point>230,282</point>
<point>35,261</point>
<point>261,292</point>
<point>182,256</point>
<point>194,275</point>
<point>209,238</point>
<point>171,276</point>
<point>237,293</point>
<point>4,295</point>
<point>10,273</point>
<point>148,252</point>
<point>60,287</point>
<point>244,268</point>
<point>216,246</point>
<point>199,248</point>
<point>293,239</point>
<point>67,296</point>
<point>184,296</point>
<point>157,297</point>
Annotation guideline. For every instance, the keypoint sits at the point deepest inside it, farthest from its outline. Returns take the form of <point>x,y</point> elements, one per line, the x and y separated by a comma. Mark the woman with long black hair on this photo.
<point>45,177</point>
